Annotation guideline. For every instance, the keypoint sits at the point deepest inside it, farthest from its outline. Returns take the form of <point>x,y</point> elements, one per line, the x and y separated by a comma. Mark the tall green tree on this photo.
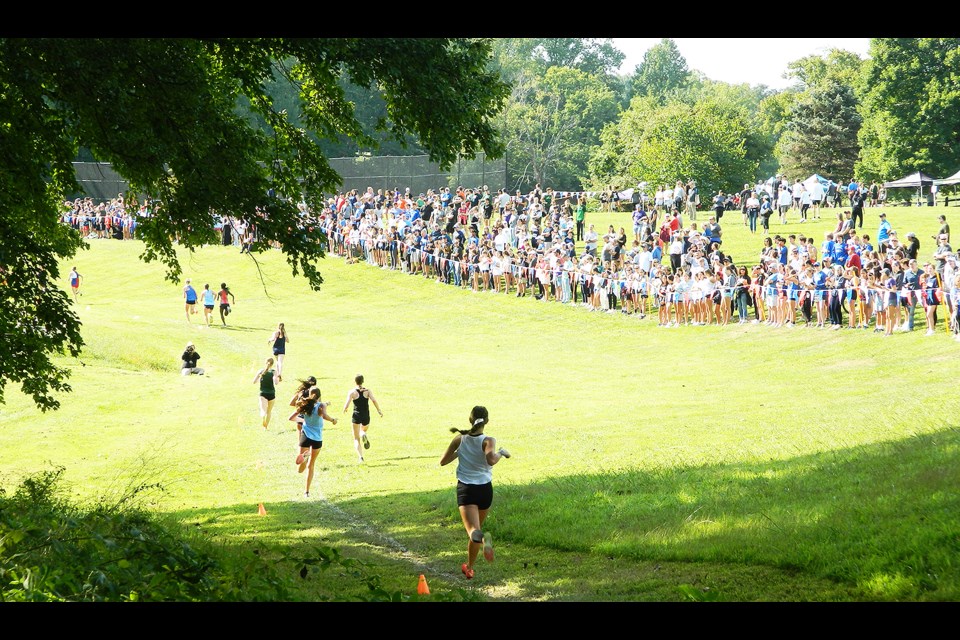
<point>753,102</point>
<point>662,72</point>
<point>821,134</point>
<point>165,113</point>
<point>911,108</point>
<point>551,123</point>
<point>837,65</point>
<point>593,56</point>
<point>661,144</point>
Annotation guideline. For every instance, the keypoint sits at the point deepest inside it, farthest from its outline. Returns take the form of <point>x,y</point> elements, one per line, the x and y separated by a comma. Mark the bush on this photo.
<point>51,550</point>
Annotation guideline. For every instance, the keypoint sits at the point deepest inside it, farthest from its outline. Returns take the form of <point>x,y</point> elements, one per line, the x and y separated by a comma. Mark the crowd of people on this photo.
<point>538,245</point>
<point>671,268</point>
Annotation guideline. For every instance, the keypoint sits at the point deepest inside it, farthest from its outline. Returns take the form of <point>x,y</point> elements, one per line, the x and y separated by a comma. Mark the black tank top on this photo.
<point>361,404</point>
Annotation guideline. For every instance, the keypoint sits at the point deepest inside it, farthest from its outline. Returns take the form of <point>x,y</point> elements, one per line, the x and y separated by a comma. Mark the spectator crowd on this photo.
<point>660,263</point>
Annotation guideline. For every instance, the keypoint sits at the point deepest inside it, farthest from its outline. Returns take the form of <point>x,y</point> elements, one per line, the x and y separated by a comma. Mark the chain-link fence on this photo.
<point>100,182</point>
<point>418,173</point>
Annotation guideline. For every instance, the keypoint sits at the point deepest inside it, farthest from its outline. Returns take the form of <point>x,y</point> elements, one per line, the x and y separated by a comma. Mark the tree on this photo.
<point>911,108</point>
<point>662,72</point>
<point>552,122</point>
<point>838,65</point>
<point>755,102</point>
<point>166,113</point>
<point>821,136</point>
<point>370,109</point>
<point>593,56</point>
<point>679,141</point>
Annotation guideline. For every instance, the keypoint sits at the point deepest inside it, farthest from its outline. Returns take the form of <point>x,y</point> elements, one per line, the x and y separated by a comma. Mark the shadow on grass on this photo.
<point>236,327</point>
<point>877,522</point>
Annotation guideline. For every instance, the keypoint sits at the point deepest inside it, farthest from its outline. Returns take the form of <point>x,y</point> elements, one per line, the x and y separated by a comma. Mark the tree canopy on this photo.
<point>165,113</point>
<point>662,71</point>
<point>911,108</point>
<point>821,135</point>
<point>703,141</point>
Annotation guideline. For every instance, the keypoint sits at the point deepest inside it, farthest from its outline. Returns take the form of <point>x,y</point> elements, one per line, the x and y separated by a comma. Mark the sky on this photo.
<point>741,60</point>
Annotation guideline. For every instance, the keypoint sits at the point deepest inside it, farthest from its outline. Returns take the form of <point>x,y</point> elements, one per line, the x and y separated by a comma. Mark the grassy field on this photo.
<point>743,463</point>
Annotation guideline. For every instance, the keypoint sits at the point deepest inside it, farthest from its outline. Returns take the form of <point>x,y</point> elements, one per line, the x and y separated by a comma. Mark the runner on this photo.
<point>476,454</point>
<point>75,279</point>
<point>312,413</point>
<point>208,300</point>
<point>301,394</point>
<point>190,299</point>
<point>224,303</point>
<point>279,340</point>
<point>361,398</point>
<point>267,378</point>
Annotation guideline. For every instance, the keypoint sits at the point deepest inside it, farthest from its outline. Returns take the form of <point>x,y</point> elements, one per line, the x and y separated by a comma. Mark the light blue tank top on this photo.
<point>313,424</point>
<point>472,467</point>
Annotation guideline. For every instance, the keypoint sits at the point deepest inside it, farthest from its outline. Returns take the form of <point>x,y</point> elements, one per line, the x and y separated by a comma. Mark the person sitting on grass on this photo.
<point>189,361</point>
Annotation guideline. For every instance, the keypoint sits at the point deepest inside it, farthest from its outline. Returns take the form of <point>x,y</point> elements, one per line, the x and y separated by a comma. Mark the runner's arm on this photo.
<point>374,401</point>
<point>451,453</point>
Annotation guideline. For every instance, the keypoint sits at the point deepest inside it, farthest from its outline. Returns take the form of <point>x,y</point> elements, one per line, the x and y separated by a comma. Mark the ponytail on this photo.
<point>306,405</point>
<point>478,418</point>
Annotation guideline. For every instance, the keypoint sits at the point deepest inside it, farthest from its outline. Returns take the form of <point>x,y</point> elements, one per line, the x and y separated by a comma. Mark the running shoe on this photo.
<point>366,441</point>
<point>487,546</point>
<point>467,571</point>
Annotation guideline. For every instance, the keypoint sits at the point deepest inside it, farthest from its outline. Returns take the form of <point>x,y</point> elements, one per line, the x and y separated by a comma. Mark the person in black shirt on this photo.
<point>913,246</point>
<point>189,361</point>
<point>743,201</point>
<point>856,203</point>
<point>361,398</point>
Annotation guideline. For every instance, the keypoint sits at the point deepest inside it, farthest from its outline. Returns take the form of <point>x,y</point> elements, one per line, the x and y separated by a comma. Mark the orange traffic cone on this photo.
<point>261,510</point>
<point>422,587</point>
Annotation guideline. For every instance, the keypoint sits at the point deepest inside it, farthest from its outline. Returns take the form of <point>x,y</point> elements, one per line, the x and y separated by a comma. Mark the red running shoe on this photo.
<point>467,571</point>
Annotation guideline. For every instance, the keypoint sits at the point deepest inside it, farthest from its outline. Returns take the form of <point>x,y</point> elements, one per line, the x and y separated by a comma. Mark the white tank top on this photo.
<point>472,467</point>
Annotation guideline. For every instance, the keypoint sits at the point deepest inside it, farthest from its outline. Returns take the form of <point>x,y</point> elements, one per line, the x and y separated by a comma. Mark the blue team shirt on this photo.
<point>820,280</point>
<point>313,424</point>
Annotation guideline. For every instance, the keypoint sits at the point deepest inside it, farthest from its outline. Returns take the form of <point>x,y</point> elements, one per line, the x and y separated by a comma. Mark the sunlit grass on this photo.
<point>795,464</point>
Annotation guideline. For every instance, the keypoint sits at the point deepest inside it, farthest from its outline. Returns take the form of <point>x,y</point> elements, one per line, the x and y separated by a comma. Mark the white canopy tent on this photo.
<point>954,179</point>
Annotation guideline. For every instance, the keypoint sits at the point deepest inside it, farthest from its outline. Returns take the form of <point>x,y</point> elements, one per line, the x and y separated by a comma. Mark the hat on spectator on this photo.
<point>911,234</point>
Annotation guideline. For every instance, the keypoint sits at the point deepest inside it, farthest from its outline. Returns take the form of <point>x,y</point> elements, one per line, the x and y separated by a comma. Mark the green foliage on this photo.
<point>663,72</point>
<point>660,145</point>
<point>911,108</point>
<point>173,118</point>
<point>837,65</point>
<point>53,551</point>
<point>821,135</point>
<point>593,56</point>
<point>552,122</point>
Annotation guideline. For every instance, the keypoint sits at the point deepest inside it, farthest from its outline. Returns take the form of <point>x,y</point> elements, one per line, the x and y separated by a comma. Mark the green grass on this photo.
<point>742,463</point>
